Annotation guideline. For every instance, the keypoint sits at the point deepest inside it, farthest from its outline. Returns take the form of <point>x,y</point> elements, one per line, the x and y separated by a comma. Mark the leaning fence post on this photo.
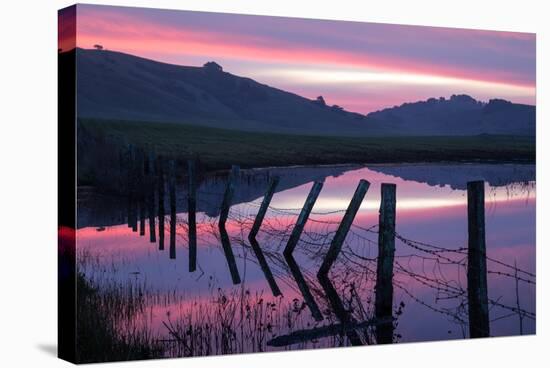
<point>302,218</point>
<point>384,270</point>
<point>224,214</point>
<point>192,215</point>
<point>332,254</point>
<point>172,189</point>
<point>264,206</point>
<point>254,231</point>
<point>291,244</point>
<point>478,304</point>
<point>343,228</point>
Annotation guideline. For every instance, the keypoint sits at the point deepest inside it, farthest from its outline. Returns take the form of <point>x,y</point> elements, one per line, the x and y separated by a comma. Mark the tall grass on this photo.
<point>114,322</point>
<point>106,327</point>
<point>239,322</point>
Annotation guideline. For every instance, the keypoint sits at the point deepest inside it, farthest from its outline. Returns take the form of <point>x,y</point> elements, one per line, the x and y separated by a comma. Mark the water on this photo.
<point>430,302</point>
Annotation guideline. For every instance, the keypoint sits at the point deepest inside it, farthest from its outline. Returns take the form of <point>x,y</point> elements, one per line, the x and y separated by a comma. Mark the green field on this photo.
<point>220,148</point>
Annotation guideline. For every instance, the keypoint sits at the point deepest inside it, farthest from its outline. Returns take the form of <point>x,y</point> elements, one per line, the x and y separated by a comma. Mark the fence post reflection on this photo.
<point>172,190</point>
<point>191,214</point>
<point>224,214</point>
<point>161,210</point>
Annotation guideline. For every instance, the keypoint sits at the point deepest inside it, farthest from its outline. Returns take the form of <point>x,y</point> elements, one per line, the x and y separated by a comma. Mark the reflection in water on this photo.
<point>161,212</point>
<point>224,214</point>
<point>343,314</point>
<point>150,185</point>
<point>291,246</point>
<point>445,174</point>
<point>254,232</point>
<point>173,218</point>
<point>192,214</point>
<point>279,301</point>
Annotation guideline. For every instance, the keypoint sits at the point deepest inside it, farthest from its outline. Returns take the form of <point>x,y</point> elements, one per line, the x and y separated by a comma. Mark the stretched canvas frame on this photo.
<point>216,207</point>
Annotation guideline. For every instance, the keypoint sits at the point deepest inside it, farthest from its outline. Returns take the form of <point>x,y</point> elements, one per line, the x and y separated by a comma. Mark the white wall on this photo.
<point>28,161</point>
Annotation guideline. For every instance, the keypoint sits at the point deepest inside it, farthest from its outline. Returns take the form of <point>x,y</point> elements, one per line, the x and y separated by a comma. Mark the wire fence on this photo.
<point>439,269</point>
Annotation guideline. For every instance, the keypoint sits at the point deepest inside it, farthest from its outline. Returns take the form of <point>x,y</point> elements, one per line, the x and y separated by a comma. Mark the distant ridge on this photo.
<point>458,115</point>
<point>118,86</point>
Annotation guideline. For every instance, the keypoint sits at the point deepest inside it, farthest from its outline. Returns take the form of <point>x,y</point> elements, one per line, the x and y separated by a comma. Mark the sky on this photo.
<point>362,67</point>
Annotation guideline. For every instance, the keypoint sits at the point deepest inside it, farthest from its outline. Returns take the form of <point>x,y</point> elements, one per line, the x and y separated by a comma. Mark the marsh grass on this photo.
<point>115,322</point>
<point>106,328</point>
<point>239,322</point>
<point>102,141</point>
<point>174,323</point>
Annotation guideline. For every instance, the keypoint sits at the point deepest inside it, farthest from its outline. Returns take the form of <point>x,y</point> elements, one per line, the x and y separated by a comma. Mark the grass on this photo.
<point>221,148</point>
<point>115,318</point>
<point>106,330</point>
<point>236,321</point>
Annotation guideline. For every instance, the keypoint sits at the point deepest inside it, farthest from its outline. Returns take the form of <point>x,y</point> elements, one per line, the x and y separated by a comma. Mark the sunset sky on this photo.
<point>360,66</point>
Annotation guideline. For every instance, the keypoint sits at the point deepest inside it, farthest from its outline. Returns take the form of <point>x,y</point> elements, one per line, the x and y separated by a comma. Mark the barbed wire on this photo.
<point>355,268</point>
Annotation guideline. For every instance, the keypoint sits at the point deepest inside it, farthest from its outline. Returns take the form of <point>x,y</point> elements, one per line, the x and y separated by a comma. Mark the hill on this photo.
<point>118,86</point>
<point>458,115</point>
<point>113,85</point>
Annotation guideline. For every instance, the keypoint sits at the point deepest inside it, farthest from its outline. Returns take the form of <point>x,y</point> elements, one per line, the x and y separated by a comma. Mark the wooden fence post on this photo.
<point>128,184</point>
<point>161,212</point>
<point>254,231</point>
<point>303,287</point>
<point>151,183</point>
<point>224,214</point>
<point>478,304</point>
<point>303,336</point>
<point>273,182</point>
<point>141,191</point>
<point>192,214</point>
<point>343,228</point>
<point>172,190</point>
<point>291,245</point>
<point>384,270</point>
<point>334,250</point>
<point>302,218</point>
<point>129,209</point>
<point>141,217</point>
<point>131,171</point>
<point>228,194</point>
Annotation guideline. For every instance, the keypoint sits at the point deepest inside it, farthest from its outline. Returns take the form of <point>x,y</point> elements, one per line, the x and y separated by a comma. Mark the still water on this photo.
<point>430,300</point>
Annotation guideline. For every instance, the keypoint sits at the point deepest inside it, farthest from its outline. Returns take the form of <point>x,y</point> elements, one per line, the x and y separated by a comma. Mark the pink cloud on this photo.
<point>125,32</point>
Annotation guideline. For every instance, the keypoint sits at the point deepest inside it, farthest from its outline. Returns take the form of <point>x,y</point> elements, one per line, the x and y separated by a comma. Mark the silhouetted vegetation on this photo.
<point>106,330</point>
<point>221,148</point>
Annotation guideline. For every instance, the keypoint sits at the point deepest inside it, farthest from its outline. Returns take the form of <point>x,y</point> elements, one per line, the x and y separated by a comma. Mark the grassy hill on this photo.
<point>221,148</point>
<point>114,85</point>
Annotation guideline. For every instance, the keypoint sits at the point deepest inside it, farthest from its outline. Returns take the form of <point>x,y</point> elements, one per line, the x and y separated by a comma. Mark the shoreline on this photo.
<point>103,148</point>
<point>98,189</point>
<point>396,163</point>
